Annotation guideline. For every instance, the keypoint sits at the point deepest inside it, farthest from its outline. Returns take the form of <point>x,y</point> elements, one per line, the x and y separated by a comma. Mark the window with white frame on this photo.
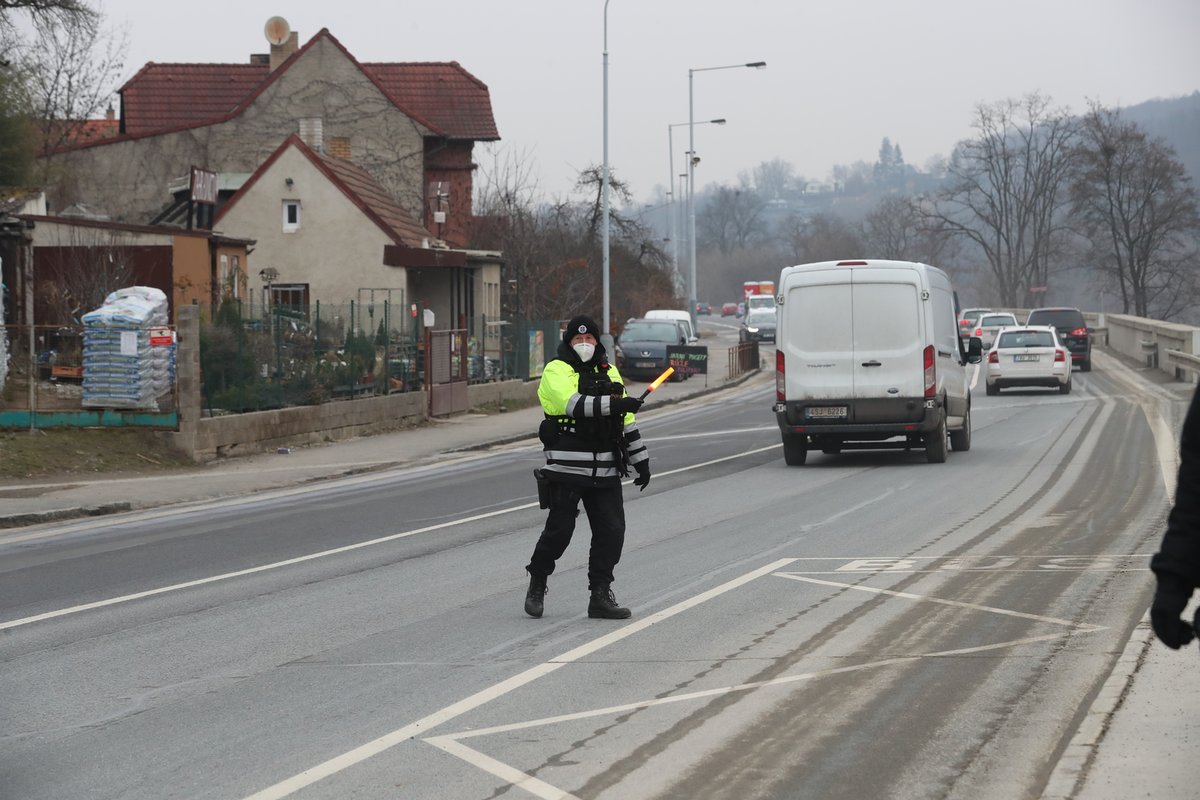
<point>291,216</point>
<point>237,276</point>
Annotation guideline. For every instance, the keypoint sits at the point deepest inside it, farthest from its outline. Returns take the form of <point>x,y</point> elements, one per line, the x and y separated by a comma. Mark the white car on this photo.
<point>1028,356</point>
<point>990,324</point>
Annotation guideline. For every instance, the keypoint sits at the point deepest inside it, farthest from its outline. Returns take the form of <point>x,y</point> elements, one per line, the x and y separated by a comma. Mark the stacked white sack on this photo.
<point>120,367</point>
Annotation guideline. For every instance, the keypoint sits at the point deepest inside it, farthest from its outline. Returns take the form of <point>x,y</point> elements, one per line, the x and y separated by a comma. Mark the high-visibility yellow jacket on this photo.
<point>588,446</point>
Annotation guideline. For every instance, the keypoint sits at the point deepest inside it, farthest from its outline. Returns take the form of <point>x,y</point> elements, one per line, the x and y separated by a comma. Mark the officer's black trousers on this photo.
<point>605,509</point>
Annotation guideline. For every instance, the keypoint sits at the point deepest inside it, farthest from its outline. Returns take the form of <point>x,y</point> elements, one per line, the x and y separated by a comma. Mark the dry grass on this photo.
<point>84,451</point>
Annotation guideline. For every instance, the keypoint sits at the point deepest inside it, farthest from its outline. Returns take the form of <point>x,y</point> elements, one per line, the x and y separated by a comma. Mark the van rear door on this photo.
<point>888,337</point>
<point>818,346</point>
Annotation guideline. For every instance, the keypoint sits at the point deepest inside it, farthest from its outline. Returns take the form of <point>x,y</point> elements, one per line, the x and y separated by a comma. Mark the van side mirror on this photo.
<point>692,340</point>
<point>974,350</point>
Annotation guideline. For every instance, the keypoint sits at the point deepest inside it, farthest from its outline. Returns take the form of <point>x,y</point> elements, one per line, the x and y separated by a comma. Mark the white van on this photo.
<point>868,356</point>
<point>682,317</point>
<point>755,302</point>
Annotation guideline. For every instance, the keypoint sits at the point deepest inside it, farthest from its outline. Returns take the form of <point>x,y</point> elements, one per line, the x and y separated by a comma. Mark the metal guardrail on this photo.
<point>743,357</point>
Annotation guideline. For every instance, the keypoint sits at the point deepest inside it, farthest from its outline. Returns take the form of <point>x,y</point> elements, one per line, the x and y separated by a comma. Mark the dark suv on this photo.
<point>1071,329</point>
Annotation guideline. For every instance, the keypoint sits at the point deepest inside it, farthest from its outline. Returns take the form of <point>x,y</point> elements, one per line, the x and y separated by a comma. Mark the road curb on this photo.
<point>37,517</point>
<point>1069,773</point>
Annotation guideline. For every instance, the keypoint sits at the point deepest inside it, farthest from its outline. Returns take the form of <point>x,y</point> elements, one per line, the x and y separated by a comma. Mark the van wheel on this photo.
<point>795,450</point>
<point>960,440</point>
<point>935,442</point>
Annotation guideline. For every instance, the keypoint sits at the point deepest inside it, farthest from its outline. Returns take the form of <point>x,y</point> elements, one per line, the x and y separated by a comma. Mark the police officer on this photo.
<point>1177,563</point>
<point>590,440</point>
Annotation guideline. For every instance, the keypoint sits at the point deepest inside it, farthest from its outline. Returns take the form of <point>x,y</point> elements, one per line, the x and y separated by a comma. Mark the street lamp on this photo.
<point>692,160</point>
<point>671,180</point>
<point>605,336</point>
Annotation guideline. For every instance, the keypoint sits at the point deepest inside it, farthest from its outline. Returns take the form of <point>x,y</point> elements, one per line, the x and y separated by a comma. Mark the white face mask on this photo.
<point>584,350</point>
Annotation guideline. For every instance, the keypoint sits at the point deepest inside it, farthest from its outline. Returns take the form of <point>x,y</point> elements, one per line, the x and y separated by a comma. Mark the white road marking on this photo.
<point>1082,627</point>
<point>112,601</point>
<point>452,743</point>
<point>403,734</point>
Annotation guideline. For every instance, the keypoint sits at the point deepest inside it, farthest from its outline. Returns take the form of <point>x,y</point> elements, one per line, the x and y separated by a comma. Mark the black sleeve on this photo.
<point>1177,563</point>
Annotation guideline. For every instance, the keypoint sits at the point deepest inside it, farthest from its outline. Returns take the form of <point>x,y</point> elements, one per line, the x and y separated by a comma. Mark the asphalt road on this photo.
<point>867,625</point>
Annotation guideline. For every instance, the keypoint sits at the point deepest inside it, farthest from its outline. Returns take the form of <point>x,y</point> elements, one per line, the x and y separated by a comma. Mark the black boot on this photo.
<point>536,595</point>
<point>603,605</point>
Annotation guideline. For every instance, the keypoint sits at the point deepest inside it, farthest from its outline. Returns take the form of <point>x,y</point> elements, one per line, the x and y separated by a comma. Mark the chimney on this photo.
<point>110,114</point>
<point>280,52</point>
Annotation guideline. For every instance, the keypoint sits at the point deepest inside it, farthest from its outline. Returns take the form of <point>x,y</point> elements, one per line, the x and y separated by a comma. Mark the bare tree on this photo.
<point>50,10</point>
<point>898,229</point>
<point>731,219</point>
<point>773,179</point>
<point>1008,192</point>
<point>1137,207</point>
<point>92,264</point>
<point>72,65</point>
<point>821,238</point>
<point>552,249</point>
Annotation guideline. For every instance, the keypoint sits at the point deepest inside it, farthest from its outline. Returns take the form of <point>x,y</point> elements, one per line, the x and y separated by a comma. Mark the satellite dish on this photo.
<point>277,30</point>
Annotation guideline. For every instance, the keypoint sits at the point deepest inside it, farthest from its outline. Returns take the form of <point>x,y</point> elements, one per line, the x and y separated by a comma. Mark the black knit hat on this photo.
<point>581,323</point>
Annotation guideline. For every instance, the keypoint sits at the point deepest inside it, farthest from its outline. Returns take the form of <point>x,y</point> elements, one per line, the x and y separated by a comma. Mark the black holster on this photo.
<point>543,488</point>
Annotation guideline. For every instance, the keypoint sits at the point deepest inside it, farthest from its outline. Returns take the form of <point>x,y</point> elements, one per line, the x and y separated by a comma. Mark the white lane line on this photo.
<point>510,775</point>
<point>740,687</point>
<point>413,729</point>
<point>112,601</point>
<point>1081,627</point>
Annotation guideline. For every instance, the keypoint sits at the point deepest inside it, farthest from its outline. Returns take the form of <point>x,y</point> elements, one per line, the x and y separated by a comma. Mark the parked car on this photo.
<point>642,347</point>
<point>758,326</point>
<point>682,317</point>
<point>990,324</point>
<point>967,320</point>
<point>869,356</point>
<point>1072,332</point>
<point>703,309</point>
<point>1028,356</point>
<point>741,310</point>
<point>729,309</point>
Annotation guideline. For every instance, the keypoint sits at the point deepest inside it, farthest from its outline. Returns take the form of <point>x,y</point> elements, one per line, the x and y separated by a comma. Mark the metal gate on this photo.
<point>446,371</point>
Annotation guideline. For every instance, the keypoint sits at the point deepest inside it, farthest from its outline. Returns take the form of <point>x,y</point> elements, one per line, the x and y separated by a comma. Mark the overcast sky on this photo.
<point>840,75</point>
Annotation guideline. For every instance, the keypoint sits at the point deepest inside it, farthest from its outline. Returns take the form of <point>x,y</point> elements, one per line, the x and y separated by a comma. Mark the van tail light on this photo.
<point>780,385</point>
<point>1079,332</point>
<point>1060,355</point>
<point>930,372</point>
<point>993,357</point>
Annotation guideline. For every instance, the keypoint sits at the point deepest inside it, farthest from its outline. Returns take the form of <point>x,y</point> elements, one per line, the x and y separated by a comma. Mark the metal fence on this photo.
<point>43,380</point>
<point>743,357</point>
<point>256,357</point>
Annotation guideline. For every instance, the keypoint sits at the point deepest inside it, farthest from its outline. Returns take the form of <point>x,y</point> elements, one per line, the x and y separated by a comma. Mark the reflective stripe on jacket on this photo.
<point>578,456</point>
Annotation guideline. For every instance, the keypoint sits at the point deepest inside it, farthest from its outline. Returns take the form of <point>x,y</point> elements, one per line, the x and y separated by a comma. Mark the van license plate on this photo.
<point>1030,357</point>
<point>826,412</point>
<point>645,365</point>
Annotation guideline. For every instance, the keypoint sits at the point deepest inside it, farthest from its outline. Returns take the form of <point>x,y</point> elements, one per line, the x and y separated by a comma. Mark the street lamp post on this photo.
<point>605,335</point>
<point>671,194</point>
<point>692,159</point>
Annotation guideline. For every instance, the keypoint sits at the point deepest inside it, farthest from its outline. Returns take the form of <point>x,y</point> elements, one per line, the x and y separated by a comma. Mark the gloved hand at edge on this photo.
<point>1169,602</point>
<point>643,471</point>
<point>623,405</point>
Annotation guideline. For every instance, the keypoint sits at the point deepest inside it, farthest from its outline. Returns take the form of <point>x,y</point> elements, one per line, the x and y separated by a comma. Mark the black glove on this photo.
<point>643,471</point>
<point>622,405</point>
<point>1164,618</point>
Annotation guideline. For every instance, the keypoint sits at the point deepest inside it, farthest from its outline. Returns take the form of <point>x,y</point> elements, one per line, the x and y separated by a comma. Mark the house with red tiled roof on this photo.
<point>326,230</point>
<point>411,126</point>
<point>373,161</point>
